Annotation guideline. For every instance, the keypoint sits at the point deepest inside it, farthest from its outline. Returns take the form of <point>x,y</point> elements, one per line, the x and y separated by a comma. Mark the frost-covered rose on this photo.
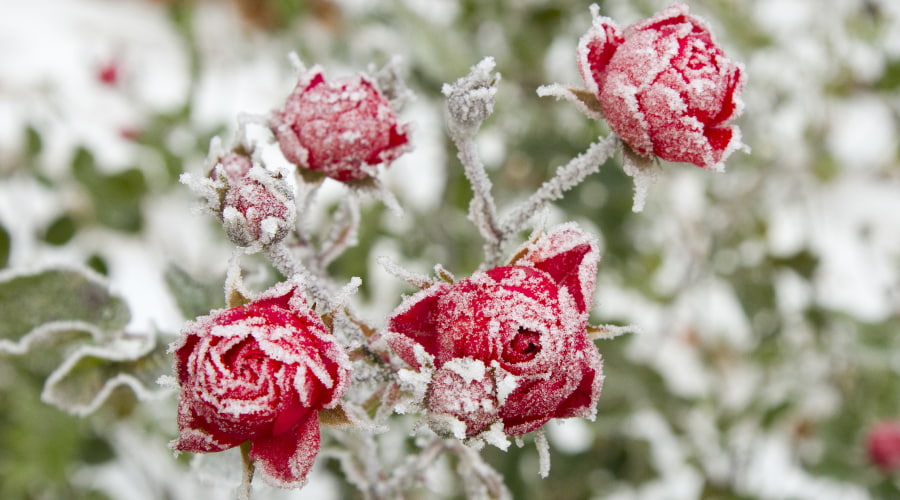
<point>343,129</point>
<point>883,446</point>
<point>258,206</point>
<point>665,87</point>
<point>508,344</point>
<point>259,373</point>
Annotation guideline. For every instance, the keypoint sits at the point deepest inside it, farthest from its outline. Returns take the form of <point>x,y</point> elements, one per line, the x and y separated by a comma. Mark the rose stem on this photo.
<point>249,468</point>
<point>567,176</point>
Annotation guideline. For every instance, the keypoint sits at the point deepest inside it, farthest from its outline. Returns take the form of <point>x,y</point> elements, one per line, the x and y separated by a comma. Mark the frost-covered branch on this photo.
<point>567,176</point>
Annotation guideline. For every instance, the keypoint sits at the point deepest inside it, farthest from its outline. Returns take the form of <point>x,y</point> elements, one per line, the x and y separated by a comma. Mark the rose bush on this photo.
<point>509,344</point>
<point>665,87</point>
<point>343,129</point>
<point>259,373</point>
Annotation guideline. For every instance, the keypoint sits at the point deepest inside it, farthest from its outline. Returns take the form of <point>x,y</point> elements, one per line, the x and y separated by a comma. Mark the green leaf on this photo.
<point>116,197</point>
<point>86,379</point>
<point>194,298</point>
<point>54,305</point>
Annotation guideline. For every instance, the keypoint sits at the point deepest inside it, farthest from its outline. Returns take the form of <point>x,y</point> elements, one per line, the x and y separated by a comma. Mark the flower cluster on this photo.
<point>499,353</point>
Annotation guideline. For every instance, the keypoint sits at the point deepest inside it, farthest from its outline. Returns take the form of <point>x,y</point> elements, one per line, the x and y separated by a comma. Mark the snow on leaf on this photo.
<point>90,374</point>
<point>53,305</point>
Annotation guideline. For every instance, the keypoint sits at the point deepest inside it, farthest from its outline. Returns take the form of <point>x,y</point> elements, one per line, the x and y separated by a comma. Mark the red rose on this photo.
<point>883,446</point>
<point>259,373</point>
<point>665,87</point>
<point>509,344</point>
<point>344,129</point>
<point>258,206</point>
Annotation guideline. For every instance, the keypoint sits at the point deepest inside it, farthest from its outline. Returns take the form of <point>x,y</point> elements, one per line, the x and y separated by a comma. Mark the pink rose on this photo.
<point>509,344</point>
<point>665,87</point>
<point>883,446</point>
<point>258,206</point>
<point>344,129</point>
<point>259,373</point>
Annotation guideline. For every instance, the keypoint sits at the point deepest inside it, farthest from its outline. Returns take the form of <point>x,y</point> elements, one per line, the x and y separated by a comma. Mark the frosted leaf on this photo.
<point>55,305</point>
<point>584,100</point>
<point>91,373</point>
<point>643,173</point>
<point>390,83</point>
<point>607,332</point>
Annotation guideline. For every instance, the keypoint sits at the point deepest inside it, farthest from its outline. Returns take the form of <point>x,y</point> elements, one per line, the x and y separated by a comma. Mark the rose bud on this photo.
<point>343,129</point>
<point>509,344</point>
<point>258,206</point>
<point>665,87</point>
<point>259,373</point>
<point>883,446</point>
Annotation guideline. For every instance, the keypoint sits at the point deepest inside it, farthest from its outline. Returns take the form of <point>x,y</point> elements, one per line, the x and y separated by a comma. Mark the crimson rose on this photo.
<point>259,373</point>
<point>665,87</point>
<point>343,129</point>
<point>509,344</point>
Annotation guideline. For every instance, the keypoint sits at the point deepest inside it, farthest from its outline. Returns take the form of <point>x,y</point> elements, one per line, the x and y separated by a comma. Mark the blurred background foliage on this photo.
<point>769,295</point>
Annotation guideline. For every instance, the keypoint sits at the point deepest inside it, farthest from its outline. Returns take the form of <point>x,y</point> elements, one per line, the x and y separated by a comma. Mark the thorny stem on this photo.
<point>567,176</point>
<point>248,469</point>
<point>482,210</point>
<point>285,262</point>
<point>405,476</point>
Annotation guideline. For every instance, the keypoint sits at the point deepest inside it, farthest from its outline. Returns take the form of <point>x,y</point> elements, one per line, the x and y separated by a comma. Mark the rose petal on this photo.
<point>285,459</point>
<point>570,257</point>
<point>595,49</point>
<point>197,435</point>
<point>414,319</point>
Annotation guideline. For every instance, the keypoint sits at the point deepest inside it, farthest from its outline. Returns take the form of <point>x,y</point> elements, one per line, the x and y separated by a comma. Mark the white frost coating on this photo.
<point>505,383</point>
<point>644,173</point>
<point>569,94</point>
<point>495,436</point>
<point>468,368</point>
<point>412,278</point>
<point>543,449</point>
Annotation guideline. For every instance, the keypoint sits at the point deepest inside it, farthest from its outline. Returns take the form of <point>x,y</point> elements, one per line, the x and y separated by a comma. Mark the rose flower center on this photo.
<point>525,345</point>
